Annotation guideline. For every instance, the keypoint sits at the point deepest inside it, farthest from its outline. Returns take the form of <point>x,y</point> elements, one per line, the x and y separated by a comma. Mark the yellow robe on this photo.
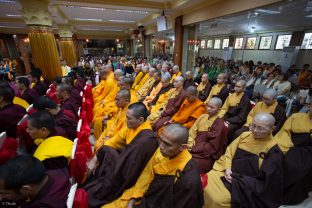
<point>232,100</point>
<point>146,88</point>
<point>174,76</point>
<point>152,95</point>
<point>21,102</point>
<point>216,195</point>
<point>201,87</point>
<point>297,123</point>
<point>103,90</point>
<point>109,97</point>
<point>141,82</point>
<point>214,91</point>
<point>159,165</point>
<point>260,107</point>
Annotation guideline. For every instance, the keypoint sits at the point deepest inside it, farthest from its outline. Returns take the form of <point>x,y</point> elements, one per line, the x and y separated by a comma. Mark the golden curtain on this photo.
<point>68,52</point>
<point>45,54</point>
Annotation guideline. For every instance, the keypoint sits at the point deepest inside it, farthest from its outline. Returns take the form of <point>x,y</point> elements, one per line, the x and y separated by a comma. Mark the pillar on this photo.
<point>43,44</point>
<point>189,49</point>
<point>178,41</point>
<point>296,38</point>
<point>67,45</point>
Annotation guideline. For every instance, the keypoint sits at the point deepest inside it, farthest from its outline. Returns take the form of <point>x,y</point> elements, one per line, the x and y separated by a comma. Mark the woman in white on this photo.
<point>282,85</point>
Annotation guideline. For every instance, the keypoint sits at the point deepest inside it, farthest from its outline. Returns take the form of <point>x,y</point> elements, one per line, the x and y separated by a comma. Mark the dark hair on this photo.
<point>24,81</point>
<point>66,87</point>
<point>58,80</point>
<point>20,171</point>
<point>7,92</point>
<point>44,102</point>
<point>139,110</point>
<point>72,74</point>
<point>42,119</point>
<point>69,80</point>
<point>285,76</point>
<point>35,74</point>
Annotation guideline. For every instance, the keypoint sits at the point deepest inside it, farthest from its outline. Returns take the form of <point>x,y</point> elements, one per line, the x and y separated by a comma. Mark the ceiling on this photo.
<point>290,14</point>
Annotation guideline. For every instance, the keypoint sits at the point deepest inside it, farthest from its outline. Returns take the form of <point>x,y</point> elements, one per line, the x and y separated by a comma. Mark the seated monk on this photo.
<point>63,119</point>
<point>294,139</point>
<point>138,75</point>
<point>268,105</point>
<point>79,82</point>
<point>148,85</point>
<point>115,124</point>
<point>207,140</point>
<point>39,86</point>
<point>220,89</point>
<point>175,72</point>
<point>25,93</point>
<point>53,150</point>
<point>68,102</point>
<point>235,109</point>
<point>10,113</point>
<point>120,161</point>
<point>249,174</point>
<point>23,180</point>
<point>105,86</point>
<point>188,112</point>
<point>142,81</point>
<point>75,94</point>
<point>204,88</point>
<point>165,87</point>
<point>156,88</point>
<point>189,80</point>
<point>170,179</point>
<point>169,102</point>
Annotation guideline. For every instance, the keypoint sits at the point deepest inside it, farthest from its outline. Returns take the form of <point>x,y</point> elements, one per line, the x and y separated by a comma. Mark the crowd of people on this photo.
<point>227,134</point>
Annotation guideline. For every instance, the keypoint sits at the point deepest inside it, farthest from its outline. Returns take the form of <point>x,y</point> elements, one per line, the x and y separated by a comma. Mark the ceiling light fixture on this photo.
<point>102,9</point>
<point>266,11</point>
<point>84,7</point>
<point>131,11</point>
<point>13,15</point>
<point>86,19</point>
<point>7,1</point>
<point>252,29</point>
<point>127,21</point>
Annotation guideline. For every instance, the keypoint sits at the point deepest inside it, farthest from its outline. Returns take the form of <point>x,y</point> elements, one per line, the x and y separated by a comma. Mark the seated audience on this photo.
<point>156,87</point>
<point>63,93</point>
<point>25,93</point>
<point>175,72</point>
<point>39,86</point>
<point>282,85</point>
<point>220,89</point>
<point>204,88</point>
<point>149,84</point>
<point>189,80</point>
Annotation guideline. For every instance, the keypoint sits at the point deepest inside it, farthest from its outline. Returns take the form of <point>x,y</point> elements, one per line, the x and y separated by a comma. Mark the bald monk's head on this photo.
<point>240,86</point>
<point>103,74</point>
<point>262,125</point>
<point>136,115</point>
<point>108,68</point>
<point>221,79</point>
<point>173,139</point>
<point>145,69</point>
<point>138,68</point>
<point>189,75</point>
<point>165,80</point>
<point>123,98</point>
<point>214,106</point>
<point>126,83</point>
<point>152,72</point>
<point>204,78</point>
<point>269,96</point>
<point>178,82</point>
<point>157,76</point>
<point>191,94</point>
<point>117,73</point>
<point>63,91</point>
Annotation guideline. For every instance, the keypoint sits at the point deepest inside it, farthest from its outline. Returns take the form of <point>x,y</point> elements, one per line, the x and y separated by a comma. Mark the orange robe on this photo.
<point>152,95</point>
<point>174,76</point>
<point>137,79</point>
<point>141,82</point>
<point>103,90</point>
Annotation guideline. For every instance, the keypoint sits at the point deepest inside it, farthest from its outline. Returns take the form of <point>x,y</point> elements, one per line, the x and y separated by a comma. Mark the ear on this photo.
<point>183,147</point>
<point>26,189</point>
<point>273,128</point>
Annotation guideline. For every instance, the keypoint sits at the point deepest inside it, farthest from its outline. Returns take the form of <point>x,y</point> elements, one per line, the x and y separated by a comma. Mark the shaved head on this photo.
<point>179,134</point>
<point>118,72</point>
<point>124,94</point>
<point>192,90</point>
<point>242,82</point>
<point>179,79</point>
<point>266,118</point>
<point>216,102</point>
<point>270,93</point>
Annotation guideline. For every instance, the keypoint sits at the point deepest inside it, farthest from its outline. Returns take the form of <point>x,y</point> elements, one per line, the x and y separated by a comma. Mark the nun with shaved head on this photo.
<point>250,173</point>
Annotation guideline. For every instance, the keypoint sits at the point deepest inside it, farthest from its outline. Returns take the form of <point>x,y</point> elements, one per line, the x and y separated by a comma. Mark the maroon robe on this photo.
<point>209,146</point>
<point>71,104</point>
<point>202,95</point>
<point>223,94</point>
<point>10,115</point>
<point>118,171</point>
<point>188,83</point>
<point>76,96</point>
<point>40,88</point>
<point>67,121</point>
<point>79,84</point>
<point>29,96</point>
<point>53,194</point>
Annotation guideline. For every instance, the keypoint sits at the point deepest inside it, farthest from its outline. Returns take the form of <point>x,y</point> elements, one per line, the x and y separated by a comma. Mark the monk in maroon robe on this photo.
<point>39,86</point>
<point>63,92</point>
<point>27,94</point>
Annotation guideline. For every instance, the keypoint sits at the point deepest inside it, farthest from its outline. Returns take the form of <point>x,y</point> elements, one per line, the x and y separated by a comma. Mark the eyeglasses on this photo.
<point>254,127</point>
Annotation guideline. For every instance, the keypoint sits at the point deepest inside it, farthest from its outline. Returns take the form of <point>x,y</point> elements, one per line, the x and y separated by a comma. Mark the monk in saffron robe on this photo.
<point>220,89</point>
<point>156,88</point>
<point>144,78</point>
<point>37,188</point>
<point>170,179</point>
<point>27,94</point>
<point>249,174</point>
<point>235,109</point>
<point>170,102</point>
<point>10,114</point>
<point>295,141</point>
<point>204,87</point>
<point>120,161</point>
<point>115,124</point>
<point>165,87</point>
<point>268,105</point>
<point>175,73</point>
<point>103,88</point>
<point>138,75</point>
<point>188,112</point>
<point>207,141</point>
<point>147,87</point>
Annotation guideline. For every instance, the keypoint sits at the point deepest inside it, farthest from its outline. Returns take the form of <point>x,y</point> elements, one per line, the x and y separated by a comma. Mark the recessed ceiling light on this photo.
<point>129,21</point>
<point>84,7</point>
<point>13,15</point>
<point>7,1</point>
<point>86,19</point>
<point>266,11</point>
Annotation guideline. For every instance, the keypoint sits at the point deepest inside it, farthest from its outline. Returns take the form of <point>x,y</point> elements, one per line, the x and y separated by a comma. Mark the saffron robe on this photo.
<point>220,91</point>
<point>103,88</point>
<point>120,166</point>
<point>10,115</point>
<point>148,99</point>
<point>110,97</point>
<point>257,167</point>
<point>174,76</point>
<point>141,82</point>
<point>137,79</point>
<point>161,91</point>
<point>207,141</point>
<point>19,101</point>
<point>165,182</point>
<point>203,91</point>
<point>145,89</point>
<point>295,141</point>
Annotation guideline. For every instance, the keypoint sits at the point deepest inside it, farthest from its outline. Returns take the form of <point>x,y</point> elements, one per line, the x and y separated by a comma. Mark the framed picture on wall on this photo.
<point>202,44</point>
<point>217,44</point>
<point>251,43</point>
<point>282,41</point>
<point>209,44</point>
<point>225,43</point>
<point>307,41</point>
<point>238,43</point>
<point>265,42</point>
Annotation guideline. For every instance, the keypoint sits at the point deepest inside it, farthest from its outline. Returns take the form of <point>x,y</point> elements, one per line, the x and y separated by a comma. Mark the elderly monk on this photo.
<point>168,102</point>
<point>207,140</point>
<point>156,88</point>
<point>120,161</point>
<point>138,74</point>
<point>170,179</point>
<point>63,93</point>
<point>175,72</point>
<point>165,87</point>
<point>295,140</point>
<point>188,112</point>
<point>235,109</point>
<point>105,86</point>
<point>115,124</point>
<point>147,87</point>
<point>249,174</point>
<point>144,78</point>
<point>204,87</point>
<point>220,89</point>
<point>268,105</point>
<point>189,80</point>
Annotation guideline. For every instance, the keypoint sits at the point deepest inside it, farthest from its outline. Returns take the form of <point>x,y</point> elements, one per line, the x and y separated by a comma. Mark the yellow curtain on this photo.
<point>68,52</point>
<point>45,54</point>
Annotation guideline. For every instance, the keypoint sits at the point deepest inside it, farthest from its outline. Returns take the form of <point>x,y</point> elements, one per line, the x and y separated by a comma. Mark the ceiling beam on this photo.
<point>102,23</point>
<point>145,21</point>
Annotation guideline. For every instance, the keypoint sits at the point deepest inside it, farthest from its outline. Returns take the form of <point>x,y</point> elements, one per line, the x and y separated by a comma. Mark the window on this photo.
<point>238,43</point>
<point>307,41</point>
<point>209,43</point>
<point>203,44</point>
<point>225,43</point>
<point>265,42</point>
<point>217,44</point>
<point>251,43</point>
<point>282,41</point>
